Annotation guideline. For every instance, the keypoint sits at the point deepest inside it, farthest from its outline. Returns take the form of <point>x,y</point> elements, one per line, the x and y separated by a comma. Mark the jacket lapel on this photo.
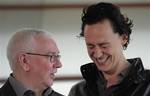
<point>7,90</point>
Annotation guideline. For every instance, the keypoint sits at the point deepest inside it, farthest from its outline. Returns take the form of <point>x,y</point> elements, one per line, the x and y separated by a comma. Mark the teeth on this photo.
<point>101,61</point>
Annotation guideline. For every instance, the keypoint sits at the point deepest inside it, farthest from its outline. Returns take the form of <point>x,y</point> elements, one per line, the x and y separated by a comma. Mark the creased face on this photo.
<point>104,46</point>
<point>42,69</point>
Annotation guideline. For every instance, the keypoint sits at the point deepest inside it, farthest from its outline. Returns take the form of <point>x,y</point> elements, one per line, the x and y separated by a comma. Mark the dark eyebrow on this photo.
<point>89,44</point>
<point>101,44</point>
<point>105,43</point>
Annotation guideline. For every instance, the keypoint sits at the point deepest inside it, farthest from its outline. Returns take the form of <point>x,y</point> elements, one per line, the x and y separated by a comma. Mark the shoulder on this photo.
<point>54,93</point>
<point>147,83</point>
<point>147,73</point>
<point>79,85</point>
<point>6,86</point>
<point>7,89</point>
<point>78,89</point>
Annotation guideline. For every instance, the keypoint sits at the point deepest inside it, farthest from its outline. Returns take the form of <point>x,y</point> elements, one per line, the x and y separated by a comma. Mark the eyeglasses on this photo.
<point>52,58</point>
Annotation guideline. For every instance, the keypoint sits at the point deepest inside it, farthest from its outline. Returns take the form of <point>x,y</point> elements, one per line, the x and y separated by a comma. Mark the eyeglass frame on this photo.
<point>52,57</point>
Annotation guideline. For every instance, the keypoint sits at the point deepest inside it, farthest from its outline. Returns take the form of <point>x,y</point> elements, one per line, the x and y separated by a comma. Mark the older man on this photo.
<point>34,58</point>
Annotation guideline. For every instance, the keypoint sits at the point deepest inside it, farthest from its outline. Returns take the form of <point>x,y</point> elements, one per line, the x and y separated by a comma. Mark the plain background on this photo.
<point>64,26</point>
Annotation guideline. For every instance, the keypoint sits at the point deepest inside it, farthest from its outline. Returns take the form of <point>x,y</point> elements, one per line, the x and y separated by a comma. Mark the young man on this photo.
<point>107,32</point>
<point>34,59</point>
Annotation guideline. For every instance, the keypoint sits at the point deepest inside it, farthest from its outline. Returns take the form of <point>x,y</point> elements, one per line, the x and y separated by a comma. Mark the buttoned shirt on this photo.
<point>21,89</point>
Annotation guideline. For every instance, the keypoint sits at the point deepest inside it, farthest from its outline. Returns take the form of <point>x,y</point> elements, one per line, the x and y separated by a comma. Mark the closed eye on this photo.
<point>90,46</point>
<point>104,44</point>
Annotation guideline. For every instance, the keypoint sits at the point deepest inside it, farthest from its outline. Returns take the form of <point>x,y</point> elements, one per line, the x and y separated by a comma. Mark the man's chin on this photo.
<point>102,67</point>
<point>50,83</point>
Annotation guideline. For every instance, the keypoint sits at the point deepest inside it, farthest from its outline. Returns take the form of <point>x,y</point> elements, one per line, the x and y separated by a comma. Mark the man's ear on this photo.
<point>24,62</point>
<point>124,39</point>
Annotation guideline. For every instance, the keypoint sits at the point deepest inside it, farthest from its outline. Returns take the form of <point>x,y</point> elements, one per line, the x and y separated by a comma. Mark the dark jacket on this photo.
<point>7,90</point>
<point>135,83</point>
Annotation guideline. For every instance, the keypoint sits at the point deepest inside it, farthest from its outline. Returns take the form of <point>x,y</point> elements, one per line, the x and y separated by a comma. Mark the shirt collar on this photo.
<point>20,89</point>
<point>124,73</point>
<point>47,91</point>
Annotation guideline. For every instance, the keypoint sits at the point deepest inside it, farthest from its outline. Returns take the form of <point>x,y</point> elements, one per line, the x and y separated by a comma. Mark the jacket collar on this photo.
<point>136,71</point>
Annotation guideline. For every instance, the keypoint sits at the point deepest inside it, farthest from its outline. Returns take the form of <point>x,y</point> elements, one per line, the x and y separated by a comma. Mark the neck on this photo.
<point>112,77</point>
<point>30,83</point>
<point>38,93</point>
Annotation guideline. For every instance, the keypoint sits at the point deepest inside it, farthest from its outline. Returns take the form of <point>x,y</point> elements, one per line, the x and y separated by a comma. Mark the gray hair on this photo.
<point>22,41</point>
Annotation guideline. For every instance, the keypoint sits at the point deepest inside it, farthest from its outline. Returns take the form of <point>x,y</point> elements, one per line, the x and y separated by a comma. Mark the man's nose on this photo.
<point>58,64</point>
<point>98,52</point>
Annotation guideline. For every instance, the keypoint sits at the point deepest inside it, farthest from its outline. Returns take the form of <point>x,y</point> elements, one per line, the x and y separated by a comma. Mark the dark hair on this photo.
<point>102,11</point>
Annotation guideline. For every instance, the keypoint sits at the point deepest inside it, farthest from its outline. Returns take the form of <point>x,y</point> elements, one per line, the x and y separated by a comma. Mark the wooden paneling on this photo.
<point>60,78</point>
<point>58,6</point>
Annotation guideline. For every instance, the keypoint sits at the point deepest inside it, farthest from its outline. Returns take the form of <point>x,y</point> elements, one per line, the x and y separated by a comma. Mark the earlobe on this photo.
<point>124,39</point>
<point>24,62</point>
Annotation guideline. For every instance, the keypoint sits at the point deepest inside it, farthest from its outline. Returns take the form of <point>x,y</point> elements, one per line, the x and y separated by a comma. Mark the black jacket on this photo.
<point>7,90</point>
<point>136,83</point>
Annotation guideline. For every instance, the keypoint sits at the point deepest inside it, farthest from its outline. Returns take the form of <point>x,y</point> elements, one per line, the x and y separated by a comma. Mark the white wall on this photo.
<point>140,39</point>
<point>64,24</point>
<point>10,21</point>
